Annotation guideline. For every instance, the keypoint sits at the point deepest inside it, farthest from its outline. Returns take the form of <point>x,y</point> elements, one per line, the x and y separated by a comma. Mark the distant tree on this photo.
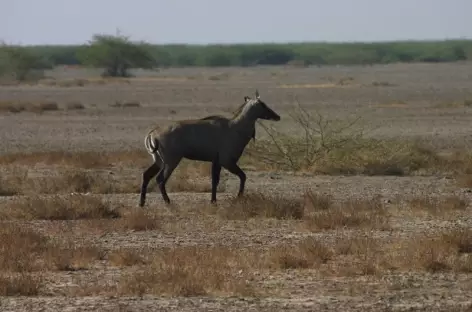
<point>21,63</point>
<point>116,54</point>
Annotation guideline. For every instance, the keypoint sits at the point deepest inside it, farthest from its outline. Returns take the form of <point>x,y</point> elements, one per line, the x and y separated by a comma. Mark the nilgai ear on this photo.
<point>257,95</point>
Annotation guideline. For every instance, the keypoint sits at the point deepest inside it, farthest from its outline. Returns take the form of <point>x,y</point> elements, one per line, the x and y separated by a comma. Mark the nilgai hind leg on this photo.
<point>164,175</point>
<point>147,177</point>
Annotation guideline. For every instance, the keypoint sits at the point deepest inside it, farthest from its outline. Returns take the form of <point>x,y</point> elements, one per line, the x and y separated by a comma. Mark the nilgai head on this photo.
<point>260,109</point>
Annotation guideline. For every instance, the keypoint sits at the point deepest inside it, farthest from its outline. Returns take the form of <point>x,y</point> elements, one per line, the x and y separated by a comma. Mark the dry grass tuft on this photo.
<point>19,247</point>
<point>71,258</point>
<point>308,253</point>
<point>461,239</point>
<point>316,202</point>
<point>20,285</point>
<point>189,271</point>
<point>86,160</point>
<point>127,257</point>
<point>72,207</point>
<point>435,254</point>
<point>260,205</point>
<point>140,220</point>
<point>439,207</point>
<point>363,256</point>
<point>354,213</point>
<point>9,186</point>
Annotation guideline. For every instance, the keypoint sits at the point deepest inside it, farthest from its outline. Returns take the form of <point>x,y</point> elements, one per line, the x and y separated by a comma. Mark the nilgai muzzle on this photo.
<point>214,139</point>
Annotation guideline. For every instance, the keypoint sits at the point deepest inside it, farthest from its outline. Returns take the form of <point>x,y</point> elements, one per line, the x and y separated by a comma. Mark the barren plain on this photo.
<point>376,217</point>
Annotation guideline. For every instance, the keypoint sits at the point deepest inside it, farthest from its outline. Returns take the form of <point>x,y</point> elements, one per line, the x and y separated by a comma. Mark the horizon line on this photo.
<point>256,43</point>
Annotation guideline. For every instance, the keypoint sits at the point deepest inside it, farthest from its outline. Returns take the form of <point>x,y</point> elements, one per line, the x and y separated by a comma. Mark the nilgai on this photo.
<point>214,139</point>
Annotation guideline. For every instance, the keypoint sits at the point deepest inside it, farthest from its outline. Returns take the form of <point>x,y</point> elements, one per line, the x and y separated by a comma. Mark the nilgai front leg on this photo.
<point>234,169</point>
<point>215,179</point>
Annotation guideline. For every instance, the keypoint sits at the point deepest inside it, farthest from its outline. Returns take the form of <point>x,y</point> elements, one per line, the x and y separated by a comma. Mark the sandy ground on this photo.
<point>421,101</point>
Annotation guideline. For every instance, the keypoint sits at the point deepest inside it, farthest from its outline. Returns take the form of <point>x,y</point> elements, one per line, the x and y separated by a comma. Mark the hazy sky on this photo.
<point>220,21</point>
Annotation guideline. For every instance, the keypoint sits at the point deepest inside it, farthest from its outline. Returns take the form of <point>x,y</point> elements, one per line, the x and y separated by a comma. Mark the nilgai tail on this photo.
<point>214,139</point>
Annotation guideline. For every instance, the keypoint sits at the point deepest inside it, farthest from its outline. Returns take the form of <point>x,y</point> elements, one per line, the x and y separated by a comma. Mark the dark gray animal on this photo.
<point>214,139</point>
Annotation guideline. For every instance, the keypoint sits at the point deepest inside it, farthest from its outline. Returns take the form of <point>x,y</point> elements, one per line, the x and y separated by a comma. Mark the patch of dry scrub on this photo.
<point>189,271</point>
<point>442,206</point>
<point>72,207</point>
<point>309,253</point>
<point>20,284</point>
<point>65,181</point>
<point>140,220</point>
<point>447,251</point>
<point>85,160</point>
<point>352,213</point>
<point>128,257</point>
<point>35,107</point>
<point>24,250</point>
<point>256,205</point>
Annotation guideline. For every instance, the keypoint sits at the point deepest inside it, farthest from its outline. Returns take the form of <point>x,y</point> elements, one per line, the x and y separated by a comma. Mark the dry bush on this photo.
<point>382,84</point>
<point>74,106</point>
<point>189,271</point>
<point>86,160</point>
<point>20,284</point>
<point>353,213</point>
<point>119,104</point>
<point>72,207</point>
<point>308,253</point>
<point>336,147</point>
<point>437,206</point>
<point>260,205</point>
<point>140,220</point>
<point>35,107</point>
<point>127,257</point>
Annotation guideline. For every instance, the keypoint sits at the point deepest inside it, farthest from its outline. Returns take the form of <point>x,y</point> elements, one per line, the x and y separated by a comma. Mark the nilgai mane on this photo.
<point>214,139</point>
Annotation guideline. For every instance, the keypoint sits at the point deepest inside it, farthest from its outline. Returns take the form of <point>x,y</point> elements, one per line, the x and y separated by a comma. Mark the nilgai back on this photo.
<point>214,139</point>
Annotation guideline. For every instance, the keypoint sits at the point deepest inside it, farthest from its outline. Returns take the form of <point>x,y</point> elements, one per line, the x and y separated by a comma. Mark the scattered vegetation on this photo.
<point>119,104</point>
<point>34,107</point>
<point>438,206</point>
<point>74,106</point>
<point>85,160</point>
<point>24,250</point>
<point>72,207</point>
<point>351,213</point>
<point>263,206</point>
<point>140,220</point>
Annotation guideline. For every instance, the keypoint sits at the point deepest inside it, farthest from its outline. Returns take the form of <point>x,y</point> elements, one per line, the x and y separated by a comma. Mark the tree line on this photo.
<point>118,53</point>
